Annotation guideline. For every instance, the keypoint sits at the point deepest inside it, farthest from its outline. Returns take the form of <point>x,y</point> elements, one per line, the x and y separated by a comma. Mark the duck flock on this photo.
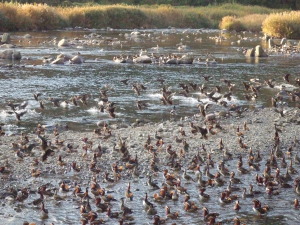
<point>226,164</point>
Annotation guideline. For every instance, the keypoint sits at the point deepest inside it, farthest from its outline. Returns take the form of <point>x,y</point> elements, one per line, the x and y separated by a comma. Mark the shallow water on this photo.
<point>64,81</point>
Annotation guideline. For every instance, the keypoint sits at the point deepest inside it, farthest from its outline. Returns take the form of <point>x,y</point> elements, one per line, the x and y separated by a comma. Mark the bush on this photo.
<point>286,24</point>
<point>231,23</point>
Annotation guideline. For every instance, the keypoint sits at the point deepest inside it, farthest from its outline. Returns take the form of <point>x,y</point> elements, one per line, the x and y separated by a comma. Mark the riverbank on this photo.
<point>25,17</point>
<point>256,133</point>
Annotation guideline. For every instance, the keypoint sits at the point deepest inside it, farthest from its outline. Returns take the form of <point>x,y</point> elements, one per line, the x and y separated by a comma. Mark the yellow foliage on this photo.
<point>231,23</point>
<point>286,24</point>
<point>14,16</point>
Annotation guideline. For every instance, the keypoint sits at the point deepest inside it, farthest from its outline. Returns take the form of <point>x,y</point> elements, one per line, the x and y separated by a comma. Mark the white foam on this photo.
<point>93,110</point>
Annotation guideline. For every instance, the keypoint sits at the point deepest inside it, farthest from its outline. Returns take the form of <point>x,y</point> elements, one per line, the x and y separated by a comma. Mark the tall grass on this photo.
<point>42,17</point>
<point>286,24</point>
<point>30,17</point>
<point>252,22</point>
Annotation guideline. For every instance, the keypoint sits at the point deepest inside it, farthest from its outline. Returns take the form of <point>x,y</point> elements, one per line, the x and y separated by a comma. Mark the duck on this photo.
<point>187,177</point>
<point>231,188</point>
<point>128,193</point>
<point>170,215</point>
<point>111,214</point>
<point>44,212</point>
<point>151,183</point>
<point>151,210</point>
<point>56,196</point>
<point>146,202</point>
<point>189,206</point>
<point>203,196</point>
<point>296,203</point>
<point>200,181</point>
<point>102,206</point>
<point>107,198</point>
<point>175,194</point>
<point>297,188</point>
<point>241,169</point>
<point>218,180</point>
<point>207,215</point>
<point>223,199</point>
<point>233,179</point>
<point>158,221</point>
<point>247,195</point>
<point>39,200</point>
<point>237,206</point>
<point>222,169</point>
<point>126,210</point>
<point>258,208</point>
<point>78,192</point>
<point>64,187</point>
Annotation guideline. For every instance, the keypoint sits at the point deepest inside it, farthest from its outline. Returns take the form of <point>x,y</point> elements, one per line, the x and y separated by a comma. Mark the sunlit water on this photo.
<point>64,81</point>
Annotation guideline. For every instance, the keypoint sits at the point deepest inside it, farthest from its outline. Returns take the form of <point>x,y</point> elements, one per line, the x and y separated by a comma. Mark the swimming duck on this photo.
<point>218,180</point>
<point>102,206</point>
<point>44,212</point>
<point>128,193</point>
<point>296,203</point>
<point>151,183</point>
<point>64,187</point>
<point>241,169</point>
<point>158,221</point>
<point>237,206</point>
<point>39,200</point>
<point>146,202</point>
<point>78,192</point>
<point>151,210</point>
<point>233,179</point>
<point>207,215</point>
<point>222,169</point>
<point>106,198</point>
<point>189,206</point>
<point>170,215</point>
<point>111,214</point>
<point>126,210</point>
<point>203,196</point>
<point>258,208</point>
<point>247,195</point>
<point>223,199</point>
<point>187,177</point>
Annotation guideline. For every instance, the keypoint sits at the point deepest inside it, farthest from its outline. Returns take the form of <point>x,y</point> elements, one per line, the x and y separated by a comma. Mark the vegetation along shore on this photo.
<point>25,17</point>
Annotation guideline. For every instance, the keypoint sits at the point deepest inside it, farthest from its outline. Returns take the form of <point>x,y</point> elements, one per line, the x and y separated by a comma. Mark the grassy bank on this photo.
<point>42,17</point>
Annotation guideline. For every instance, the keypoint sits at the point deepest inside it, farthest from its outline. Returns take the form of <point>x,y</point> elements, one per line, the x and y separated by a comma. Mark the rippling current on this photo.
<point>31,75</point>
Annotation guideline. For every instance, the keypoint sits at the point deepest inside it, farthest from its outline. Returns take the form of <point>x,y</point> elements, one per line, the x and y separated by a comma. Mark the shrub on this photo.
<point>286,24</point>
<point>231,23</point>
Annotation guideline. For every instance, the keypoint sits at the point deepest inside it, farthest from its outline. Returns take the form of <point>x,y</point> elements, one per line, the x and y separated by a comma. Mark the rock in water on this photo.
<point>283,41</point>
<point>77,59</point>
<point>10,54</point>
<point>250,52</point>
<point>142,59</point>
<point>185,59</point>
<point>27,36</point>
<point>5,38</point>
<point>259,52</point>
<point>256,52</point>
<point>58,61</point>
<point>63,43</point>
